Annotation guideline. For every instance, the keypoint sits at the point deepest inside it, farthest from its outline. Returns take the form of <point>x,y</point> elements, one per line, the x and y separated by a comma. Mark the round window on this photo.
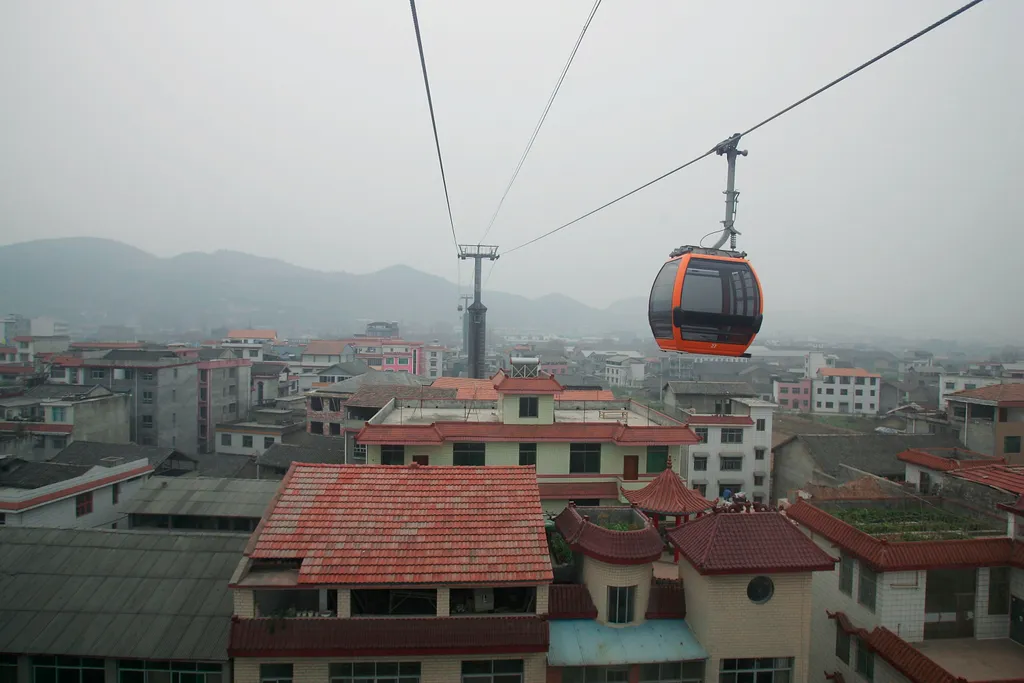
<point>760,589</point>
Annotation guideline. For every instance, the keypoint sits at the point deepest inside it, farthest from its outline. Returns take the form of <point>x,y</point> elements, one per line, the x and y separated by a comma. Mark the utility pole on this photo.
<point>477,311</point>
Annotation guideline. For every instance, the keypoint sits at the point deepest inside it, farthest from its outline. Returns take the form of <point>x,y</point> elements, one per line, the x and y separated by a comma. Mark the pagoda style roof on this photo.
<point>667,494</point>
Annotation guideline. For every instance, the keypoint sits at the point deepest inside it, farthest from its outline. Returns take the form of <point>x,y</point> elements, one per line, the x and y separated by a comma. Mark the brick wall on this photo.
<point>542,599</point>
<point>245,605</point>
<point>986,625</point>
<point>433,669</point>
<point>598,576</point>
<point>729,625</point>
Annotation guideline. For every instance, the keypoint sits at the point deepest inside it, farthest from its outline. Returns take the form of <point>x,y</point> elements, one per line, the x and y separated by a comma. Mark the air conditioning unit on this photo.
<point>483,599</point>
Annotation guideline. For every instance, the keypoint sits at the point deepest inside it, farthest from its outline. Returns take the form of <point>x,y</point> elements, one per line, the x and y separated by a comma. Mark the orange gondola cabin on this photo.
<point>706,301</point>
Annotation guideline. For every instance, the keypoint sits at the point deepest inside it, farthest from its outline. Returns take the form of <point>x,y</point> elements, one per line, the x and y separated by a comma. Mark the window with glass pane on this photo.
<point>595,674</point>
<point>657,459</point>
<point>846,573</point>
<point>999,590</point>
<point>529,406</point>
<point>867,587</point>
<point>528,454</point>
<point>842,643</point>
<point>392,455</point>
<point>275,673</point>
<point>466,454</point>
<point>620,604</point>
<point>67,670</point>
<point>761,670</point>
<point>672,672</point>
<point>375,672</point>
<point>702,433</point>
<point>493,671</point>
<point>8,669</point>
<point>139,671</point>
<point>865,661</point>
<point>585,458</point>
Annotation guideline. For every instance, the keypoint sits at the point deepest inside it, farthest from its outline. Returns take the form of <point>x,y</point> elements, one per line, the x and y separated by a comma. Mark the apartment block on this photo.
<point>793,395</point>
<point>990,420</point>
<point>846,391</point>
<point>250,345</point>
<point>224,393</point>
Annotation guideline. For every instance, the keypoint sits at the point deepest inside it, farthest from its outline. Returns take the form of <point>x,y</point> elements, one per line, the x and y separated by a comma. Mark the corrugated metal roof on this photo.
<point>119,594</point>
<point>203,496</point>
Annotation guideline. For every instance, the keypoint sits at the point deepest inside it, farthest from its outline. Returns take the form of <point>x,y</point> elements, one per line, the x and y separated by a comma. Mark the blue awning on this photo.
<point>586,642</point>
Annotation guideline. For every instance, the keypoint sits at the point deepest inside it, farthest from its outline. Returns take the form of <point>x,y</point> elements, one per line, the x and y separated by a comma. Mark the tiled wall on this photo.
<point>598,576</point>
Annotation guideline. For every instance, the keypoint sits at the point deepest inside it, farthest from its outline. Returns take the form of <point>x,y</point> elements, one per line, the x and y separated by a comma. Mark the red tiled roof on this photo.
<point>748,543</point>
<point>544,384</point>
<point>997,393</point>
<point>1006,477</point>
<point>378,395</point>
<point>106,345</point>
<point>8,349</point>
<point>889,556</point>
<point>899,654</point>
<point>469,389</point>
<point>324,347</point>
<point>377,525</point>
<point>585,395</point>
<point>370,637</point>
<point>667,494</point>
<point>39,427</point>
<point>742,420</point>
<point>937,460</point>
<point>575,432</point>
<point>580,491</point>
<point>846,372</point>
<point>252,334</point>
<point>615,547</point>
<point>17,369</point>
<point>667,600</point>
<point>68,361</point>
<point>570,601</point>
<point>1017,508</point>
<point>836,676</point>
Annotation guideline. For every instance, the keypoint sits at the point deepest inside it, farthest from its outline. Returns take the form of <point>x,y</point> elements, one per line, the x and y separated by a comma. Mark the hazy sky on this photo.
<point>300,130</point>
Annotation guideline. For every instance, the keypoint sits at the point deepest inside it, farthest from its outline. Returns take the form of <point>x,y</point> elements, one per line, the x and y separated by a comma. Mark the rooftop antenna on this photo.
<point>477,311</point>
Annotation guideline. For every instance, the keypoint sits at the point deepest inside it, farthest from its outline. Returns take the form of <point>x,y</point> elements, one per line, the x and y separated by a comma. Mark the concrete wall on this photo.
<point>61,513</point>
<point>599,576</point>
<point>237,439</point>
<point>445,669</point>
<point>107,419</point>
<point>230,397</point>
<point>545,411</point>
<point>729,625</point>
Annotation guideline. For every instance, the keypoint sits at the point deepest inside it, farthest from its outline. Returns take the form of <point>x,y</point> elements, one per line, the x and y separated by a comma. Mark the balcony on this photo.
<point>296,603</point>
<point>497,600</point>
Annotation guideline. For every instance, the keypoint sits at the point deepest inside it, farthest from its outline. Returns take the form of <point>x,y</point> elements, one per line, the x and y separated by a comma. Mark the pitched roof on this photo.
<point>325,347</point>
<point>140,354</point>
<point>224,465</point>
<point>636,546</point>
<point>252,334</point>
<point>374,377</point>
<point>543,384</point>
<point>122,594</point>
<point>900,654</point>
<point>577,432</point>
<point>846,372</point>
<point>92,453</point>
<point>667,494</point>
<point>439,525</point>
<point>348,367</point>
<point>202,496</point>
<point>16,473</point>
<point>873,453</point>
<point>16,369</point>
<point>890,556</point>
<point>268,369</point>
<point>997,393</point>
<point>368,636</point>
<point>469,389</point>
<point>69,392</point>
<point>748,543</point>
<point>378,395</point>
<point>282,455</point>
<point>1017,508</point>
<point>602,490</point>
<point>570,601</point>
<point>667,599</point>
<point>712,388</point>
<point>948,459</point>
<point>723,420</point>
<point>1009,478</point>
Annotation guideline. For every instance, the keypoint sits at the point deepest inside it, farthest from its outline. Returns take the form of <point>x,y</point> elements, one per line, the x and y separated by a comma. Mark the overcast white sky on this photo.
<point>300,130</point>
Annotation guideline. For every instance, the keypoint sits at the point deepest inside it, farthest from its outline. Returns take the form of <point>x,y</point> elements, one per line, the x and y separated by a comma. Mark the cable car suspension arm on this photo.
<point>730,150</point>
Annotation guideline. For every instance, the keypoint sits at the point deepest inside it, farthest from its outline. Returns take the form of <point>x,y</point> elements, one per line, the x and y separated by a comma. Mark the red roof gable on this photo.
<point>576,432</point>
<point>889,556</point>
<point>939,461</point>
<point>370,637</point>
<point>377,525</point>
<point>998,393</point>
<point>602,490</point>
<point>570,601</point>
<point>667,494</point>
<point>544,384</point>
<point>1006,477</point>
<point>638,546</point>
<point>725,420</point>
<point>900,654</point>
<point>748,543</point>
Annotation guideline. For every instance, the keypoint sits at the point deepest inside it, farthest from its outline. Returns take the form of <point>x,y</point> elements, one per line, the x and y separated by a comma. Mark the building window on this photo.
<point>732,435</point>
<point>115,494</point>
<point>469,454</point>
<point>148,375</point>
<point>1011,444</point>
<point>59,441</point>
<point>83,504</point>
<point>723,406</point>
<point>859,392</point>
<point>529,406</point>
<point>999,590</point>
<point>818,404</point>
<point>845,573</point>
<point>528,454</point>
<point>702,433</point>
<point>762,669</point>
<point>147,421</point>
<point>67,670</point>
<point>393,454</point>
<point>275,673</point>
<point>672,672</point>
<point>871,406</point>
<point>858,406</point>
<point>246,441</point>
<point>148,441</point>
<point>138,671</point>
<point>702,489</point>
<point>761,424</point>
<point>759,453</point>
<point>202,412</point>
<point>493,671</point>
<point>584,458</point>
<point>375,672</point>
<point>731,464</point>
<point>828,404</point>
<point>359,454</point>
<point>819,390</point>
<point>830,391</point>
<point>867,587</point>
<point>595,674</point>
<point>843,392</point>
<point>760,590</point>
<point>98,373</point>
<point>202,375</point>
<point>59,414</point>
<point>254,353</point>
<point>225,439</point>
<point>147,396</point>
<point>620,604</point>
<point>700,463</point>
<point>202,431</point>
<point>758,480</point>
<point>268,441</point>
<point>38,441</point>
<point>657,459</point>
<point>865,661</point>
<point>202,394</point>
<point>842,643</point>
<point>783,390</point>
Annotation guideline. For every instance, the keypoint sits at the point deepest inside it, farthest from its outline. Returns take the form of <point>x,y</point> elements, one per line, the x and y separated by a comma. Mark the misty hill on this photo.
<point>89,282</point>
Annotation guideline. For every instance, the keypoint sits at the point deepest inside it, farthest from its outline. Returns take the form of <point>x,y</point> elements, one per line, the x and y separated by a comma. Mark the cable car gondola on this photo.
<point>709,300</point>
<point>706,301</point>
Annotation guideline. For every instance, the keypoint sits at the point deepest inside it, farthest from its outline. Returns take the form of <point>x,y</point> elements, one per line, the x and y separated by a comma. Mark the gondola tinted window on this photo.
<point>659,311</point>
<point>723,288</point>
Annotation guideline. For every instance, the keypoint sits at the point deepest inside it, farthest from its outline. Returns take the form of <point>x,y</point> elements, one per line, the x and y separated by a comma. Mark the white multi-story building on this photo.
<point>250,344</point>
<point>846,390</point>
<point>734,451</point>
<point>624,371</point>
<point>434,356</point>
<point>949,384</point>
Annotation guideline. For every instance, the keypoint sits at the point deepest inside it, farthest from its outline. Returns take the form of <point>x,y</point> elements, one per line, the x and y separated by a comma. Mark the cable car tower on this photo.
<point>477,311</point>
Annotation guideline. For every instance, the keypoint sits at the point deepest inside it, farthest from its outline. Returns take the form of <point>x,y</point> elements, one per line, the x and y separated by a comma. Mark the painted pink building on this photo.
<point>389,355</point>
<point>795,395</point>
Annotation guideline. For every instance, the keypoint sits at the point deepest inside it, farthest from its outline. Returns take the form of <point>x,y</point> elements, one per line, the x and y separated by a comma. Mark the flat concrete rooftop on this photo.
<point>976,660</point>
<point>426,415</point>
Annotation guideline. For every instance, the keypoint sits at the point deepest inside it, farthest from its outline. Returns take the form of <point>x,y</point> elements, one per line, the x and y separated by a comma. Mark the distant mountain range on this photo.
<point>90,282</point>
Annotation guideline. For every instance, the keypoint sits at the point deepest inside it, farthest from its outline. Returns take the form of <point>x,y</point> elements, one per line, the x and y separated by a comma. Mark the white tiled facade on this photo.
<point>866,403</point>
<point>705,460</point>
